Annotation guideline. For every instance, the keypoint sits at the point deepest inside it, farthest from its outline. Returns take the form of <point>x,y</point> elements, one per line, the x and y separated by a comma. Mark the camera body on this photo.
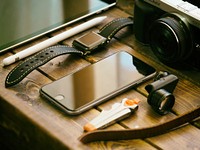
<point>171,28</point>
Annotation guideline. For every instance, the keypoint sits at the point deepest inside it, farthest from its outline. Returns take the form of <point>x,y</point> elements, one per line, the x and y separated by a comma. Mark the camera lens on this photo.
<point>170,39</point>
<point>161,101</point>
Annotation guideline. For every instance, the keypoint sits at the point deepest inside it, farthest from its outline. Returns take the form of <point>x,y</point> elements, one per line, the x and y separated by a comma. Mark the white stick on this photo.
<point>60,37</point>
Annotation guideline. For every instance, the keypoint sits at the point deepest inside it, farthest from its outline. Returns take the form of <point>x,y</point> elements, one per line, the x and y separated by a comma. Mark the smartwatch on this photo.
<point>89,42</point>
<point>84,45</point>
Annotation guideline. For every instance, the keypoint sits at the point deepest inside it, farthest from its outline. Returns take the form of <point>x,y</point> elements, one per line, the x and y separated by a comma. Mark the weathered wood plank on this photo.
<point>32,119</point>
<point>186,137</point>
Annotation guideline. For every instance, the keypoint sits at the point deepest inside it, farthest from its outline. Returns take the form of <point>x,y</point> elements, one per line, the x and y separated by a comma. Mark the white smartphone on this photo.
<point>96,83</point>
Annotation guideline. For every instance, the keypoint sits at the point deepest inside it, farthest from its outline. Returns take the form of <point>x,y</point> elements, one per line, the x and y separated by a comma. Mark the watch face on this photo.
<point>91,40</point>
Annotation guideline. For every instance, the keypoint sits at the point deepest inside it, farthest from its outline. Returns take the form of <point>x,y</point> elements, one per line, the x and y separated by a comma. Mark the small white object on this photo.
<point>116,113</point>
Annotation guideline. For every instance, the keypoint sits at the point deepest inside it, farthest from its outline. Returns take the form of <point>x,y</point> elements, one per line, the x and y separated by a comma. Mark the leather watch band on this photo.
<point>139,133</point>
<point>110,29</point>
<point>101,38</point>
<point>23,69</point>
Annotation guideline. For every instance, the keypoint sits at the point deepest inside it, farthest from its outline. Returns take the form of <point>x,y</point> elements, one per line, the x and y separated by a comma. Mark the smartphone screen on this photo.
<point>98,82</point>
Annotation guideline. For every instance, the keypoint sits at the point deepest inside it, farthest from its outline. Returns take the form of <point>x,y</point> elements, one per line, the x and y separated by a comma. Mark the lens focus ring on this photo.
<point>170,39</point>
<point>161,101</point>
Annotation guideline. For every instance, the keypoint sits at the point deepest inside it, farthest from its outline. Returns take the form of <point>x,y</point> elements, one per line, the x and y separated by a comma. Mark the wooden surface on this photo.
<point>28,121</point>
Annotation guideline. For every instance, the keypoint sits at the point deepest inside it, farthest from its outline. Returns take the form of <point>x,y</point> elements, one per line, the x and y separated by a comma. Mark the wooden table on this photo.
<point>28,121</point>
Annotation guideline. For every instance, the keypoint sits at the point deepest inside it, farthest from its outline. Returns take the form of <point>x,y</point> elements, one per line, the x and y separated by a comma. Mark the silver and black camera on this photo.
<point>171,28</point>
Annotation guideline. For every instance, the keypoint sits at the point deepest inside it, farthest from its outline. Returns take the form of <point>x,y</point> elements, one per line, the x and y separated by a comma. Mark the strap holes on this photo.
<point>51,51</point>
<point>22,69</point>
<point>32,62</point>
<point>41,56</point>
<point>27,65</point>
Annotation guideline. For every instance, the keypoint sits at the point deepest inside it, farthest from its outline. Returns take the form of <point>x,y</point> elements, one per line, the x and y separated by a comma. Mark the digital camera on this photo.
<point>171,28</point>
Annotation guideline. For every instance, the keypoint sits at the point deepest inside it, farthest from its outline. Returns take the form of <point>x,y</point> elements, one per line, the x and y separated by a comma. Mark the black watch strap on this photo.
<point>103,37</point>
<point>39,59</point>
<point>110,29</point>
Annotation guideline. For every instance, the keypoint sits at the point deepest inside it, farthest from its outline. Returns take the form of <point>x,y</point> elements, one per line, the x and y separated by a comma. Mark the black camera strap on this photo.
<point>139,133</point>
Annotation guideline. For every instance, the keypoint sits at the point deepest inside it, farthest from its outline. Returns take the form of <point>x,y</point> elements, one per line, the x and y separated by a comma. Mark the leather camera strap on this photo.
<point>139,133</point>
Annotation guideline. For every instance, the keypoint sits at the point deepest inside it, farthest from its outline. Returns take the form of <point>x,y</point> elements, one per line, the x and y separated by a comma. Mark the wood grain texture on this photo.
<point>26,118</point>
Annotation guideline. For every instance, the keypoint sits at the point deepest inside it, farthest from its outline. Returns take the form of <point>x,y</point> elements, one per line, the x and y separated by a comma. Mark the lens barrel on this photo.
<point>161,101</point>
<point>170,38</point>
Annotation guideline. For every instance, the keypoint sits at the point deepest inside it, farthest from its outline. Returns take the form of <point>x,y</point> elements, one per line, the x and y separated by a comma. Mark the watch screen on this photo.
<point>91,40</point>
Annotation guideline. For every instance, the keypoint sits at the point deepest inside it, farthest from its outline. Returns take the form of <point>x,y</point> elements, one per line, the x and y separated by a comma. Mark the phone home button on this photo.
<point>59,97</point>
